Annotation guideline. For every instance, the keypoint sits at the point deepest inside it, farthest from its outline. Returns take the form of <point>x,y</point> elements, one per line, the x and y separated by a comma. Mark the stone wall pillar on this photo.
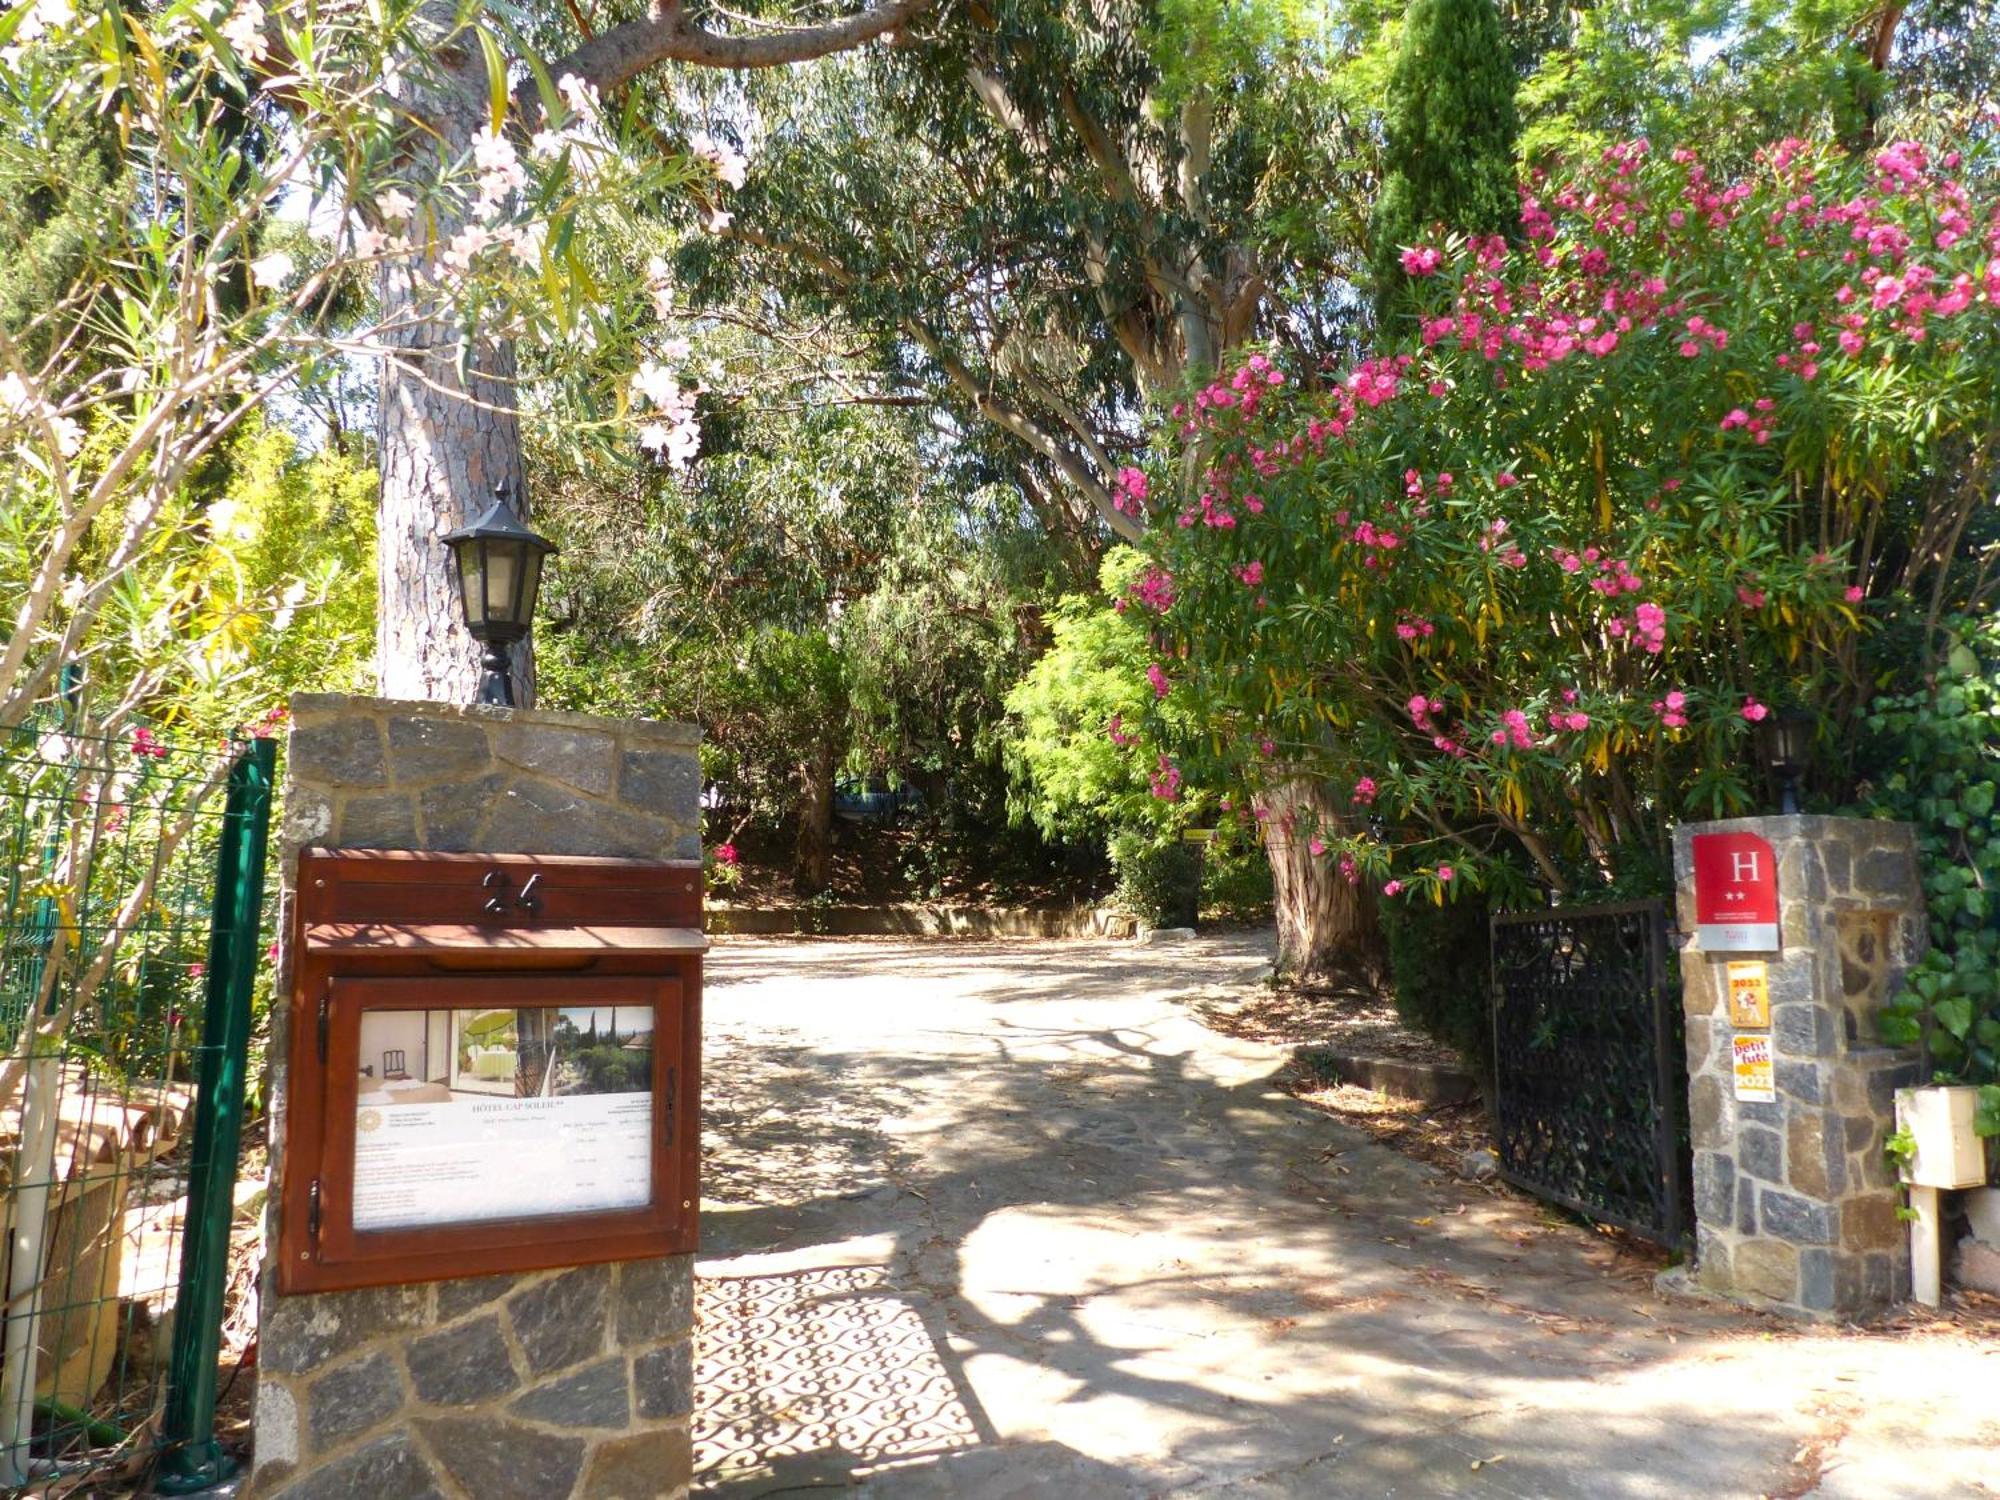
<point>550,1385</point>
<point>1795,1204</point>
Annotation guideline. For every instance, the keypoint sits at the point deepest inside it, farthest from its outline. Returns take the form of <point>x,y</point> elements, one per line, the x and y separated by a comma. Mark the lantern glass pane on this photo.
<point>469,582</point>
<point>503,563</point>
<point>531,581</point>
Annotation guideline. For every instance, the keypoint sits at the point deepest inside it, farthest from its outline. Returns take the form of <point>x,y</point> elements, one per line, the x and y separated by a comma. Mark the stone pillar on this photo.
<point>1795,1203</point>
<point>545,1385</point>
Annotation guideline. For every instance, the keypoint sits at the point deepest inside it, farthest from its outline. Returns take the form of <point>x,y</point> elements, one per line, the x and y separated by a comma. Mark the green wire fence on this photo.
<point>132,925</point>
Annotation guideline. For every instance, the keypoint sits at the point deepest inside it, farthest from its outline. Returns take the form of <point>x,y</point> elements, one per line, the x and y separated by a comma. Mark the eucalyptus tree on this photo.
<point>1049,217</point>
<point>1056,222</point>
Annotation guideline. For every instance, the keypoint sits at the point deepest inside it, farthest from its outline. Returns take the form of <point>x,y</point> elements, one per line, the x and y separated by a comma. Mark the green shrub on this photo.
<point>1936,752</point>
<point>1158,882</point>
<point>1236,879</point>
<point>1441,966</point>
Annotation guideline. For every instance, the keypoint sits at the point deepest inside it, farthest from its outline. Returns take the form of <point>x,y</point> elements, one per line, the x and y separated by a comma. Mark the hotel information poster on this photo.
<point>463,1116</point>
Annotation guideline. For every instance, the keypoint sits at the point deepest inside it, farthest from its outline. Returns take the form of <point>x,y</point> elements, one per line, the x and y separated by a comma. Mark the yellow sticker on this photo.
<point>1749,994</point>
<point>1754,1081</point>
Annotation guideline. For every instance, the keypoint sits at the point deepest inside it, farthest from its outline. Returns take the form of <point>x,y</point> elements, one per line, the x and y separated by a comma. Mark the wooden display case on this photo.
<point>494,1065</point>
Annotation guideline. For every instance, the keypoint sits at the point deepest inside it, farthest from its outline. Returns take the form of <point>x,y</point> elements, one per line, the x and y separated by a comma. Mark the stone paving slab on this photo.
<point>991,1220</point>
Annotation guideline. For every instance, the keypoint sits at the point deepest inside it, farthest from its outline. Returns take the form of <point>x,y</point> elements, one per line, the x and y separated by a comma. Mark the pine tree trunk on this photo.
<point>812,870</point>
<point>1326,925</point>
<point>446,429</point>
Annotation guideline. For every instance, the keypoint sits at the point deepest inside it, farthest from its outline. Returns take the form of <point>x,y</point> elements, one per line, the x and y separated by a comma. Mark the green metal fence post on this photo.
<point>192,1459</point>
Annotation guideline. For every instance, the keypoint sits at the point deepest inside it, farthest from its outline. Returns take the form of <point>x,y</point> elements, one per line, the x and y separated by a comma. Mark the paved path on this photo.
<point>1004,1220</point>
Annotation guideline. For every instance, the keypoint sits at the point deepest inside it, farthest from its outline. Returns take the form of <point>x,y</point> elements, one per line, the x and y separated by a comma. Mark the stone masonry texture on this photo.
<point>1795,1205</point>
<point>552,1385</point>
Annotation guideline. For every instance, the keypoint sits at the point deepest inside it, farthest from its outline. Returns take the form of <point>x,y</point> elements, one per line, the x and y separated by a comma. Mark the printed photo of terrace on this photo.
<point>539,1052</point>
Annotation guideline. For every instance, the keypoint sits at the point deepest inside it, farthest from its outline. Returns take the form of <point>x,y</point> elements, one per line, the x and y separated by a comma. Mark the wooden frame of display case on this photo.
<point>374,931</point>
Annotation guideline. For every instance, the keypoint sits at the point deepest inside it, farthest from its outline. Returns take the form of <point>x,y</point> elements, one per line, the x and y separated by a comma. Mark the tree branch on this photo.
<point>1010,418</point>
<point>615,57</point>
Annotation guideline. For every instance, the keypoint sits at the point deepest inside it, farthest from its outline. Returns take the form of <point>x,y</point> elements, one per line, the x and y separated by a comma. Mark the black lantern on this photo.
<point>1784,743</point>
<point>499,573</point>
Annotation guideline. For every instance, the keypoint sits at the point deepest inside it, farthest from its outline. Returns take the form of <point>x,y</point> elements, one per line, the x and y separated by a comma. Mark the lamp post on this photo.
<point>1784,743</point>
<point>499,565</point>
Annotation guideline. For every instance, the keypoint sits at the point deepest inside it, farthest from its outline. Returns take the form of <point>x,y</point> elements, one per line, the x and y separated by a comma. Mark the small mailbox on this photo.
<point>494,1065</point>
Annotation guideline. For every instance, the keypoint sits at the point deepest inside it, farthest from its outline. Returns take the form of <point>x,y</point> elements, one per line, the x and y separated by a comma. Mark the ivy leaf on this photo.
<point>1954,1015</point>
<point>1898,1030</point>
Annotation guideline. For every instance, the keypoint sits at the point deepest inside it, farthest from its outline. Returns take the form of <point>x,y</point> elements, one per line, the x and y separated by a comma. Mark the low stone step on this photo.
<point>1398,1077</point>
<point>920,920</point>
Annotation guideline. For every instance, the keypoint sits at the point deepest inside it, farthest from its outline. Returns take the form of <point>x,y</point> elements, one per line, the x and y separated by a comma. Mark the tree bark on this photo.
<point>1327,930</point>
<point>446,429</point>
<point>812,868</point>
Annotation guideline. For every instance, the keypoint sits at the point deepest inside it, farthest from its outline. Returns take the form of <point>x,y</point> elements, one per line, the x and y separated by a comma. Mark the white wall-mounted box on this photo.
<point>1950,1153</point>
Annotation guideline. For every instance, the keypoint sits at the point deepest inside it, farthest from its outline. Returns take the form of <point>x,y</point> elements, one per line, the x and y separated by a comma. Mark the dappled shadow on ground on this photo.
<point>760,1146</point>
<point>1361,1022</point>
<point>959,1245</point>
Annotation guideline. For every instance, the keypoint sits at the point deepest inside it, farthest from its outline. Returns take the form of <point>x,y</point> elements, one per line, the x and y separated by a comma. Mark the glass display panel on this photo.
<point>470,1115</point>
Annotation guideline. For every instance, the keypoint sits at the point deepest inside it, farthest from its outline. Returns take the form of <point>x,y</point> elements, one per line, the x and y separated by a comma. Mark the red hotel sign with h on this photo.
<point>1735,893</point>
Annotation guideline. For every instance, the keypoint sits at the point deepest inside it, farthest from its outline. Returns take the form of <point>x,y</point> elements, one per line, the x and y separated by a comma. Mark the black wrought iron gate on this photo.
<point>1590,1068</point>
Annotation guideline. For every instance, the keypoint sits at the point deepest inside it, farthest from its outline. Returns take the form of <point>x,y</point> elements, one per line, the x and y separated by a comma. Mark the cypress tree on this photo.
<point>1450,127</point>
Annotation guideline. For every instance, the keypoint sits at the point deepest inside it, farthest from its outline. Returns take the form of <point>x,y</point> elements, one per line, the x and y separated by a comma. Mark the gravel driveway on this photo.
<point>1004,1219</point>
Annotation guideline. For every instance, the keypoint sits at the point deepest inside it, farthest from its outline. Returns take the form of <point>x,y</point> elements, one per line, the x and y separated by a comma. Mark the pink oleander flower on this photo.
<point>725,854</point>
<point>1754,711</point>
<point>1252,572</point>
<point>1393,888</point>
<point>1155,590</point>
<point>1128,491</point>
<point>1364,791</point>
<point>1446,872</point>
<point>148,746</point>
<point>1316,846</point>
<point>1158,678</point>
<point>1422,260</point>
<point>1855,593</point>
